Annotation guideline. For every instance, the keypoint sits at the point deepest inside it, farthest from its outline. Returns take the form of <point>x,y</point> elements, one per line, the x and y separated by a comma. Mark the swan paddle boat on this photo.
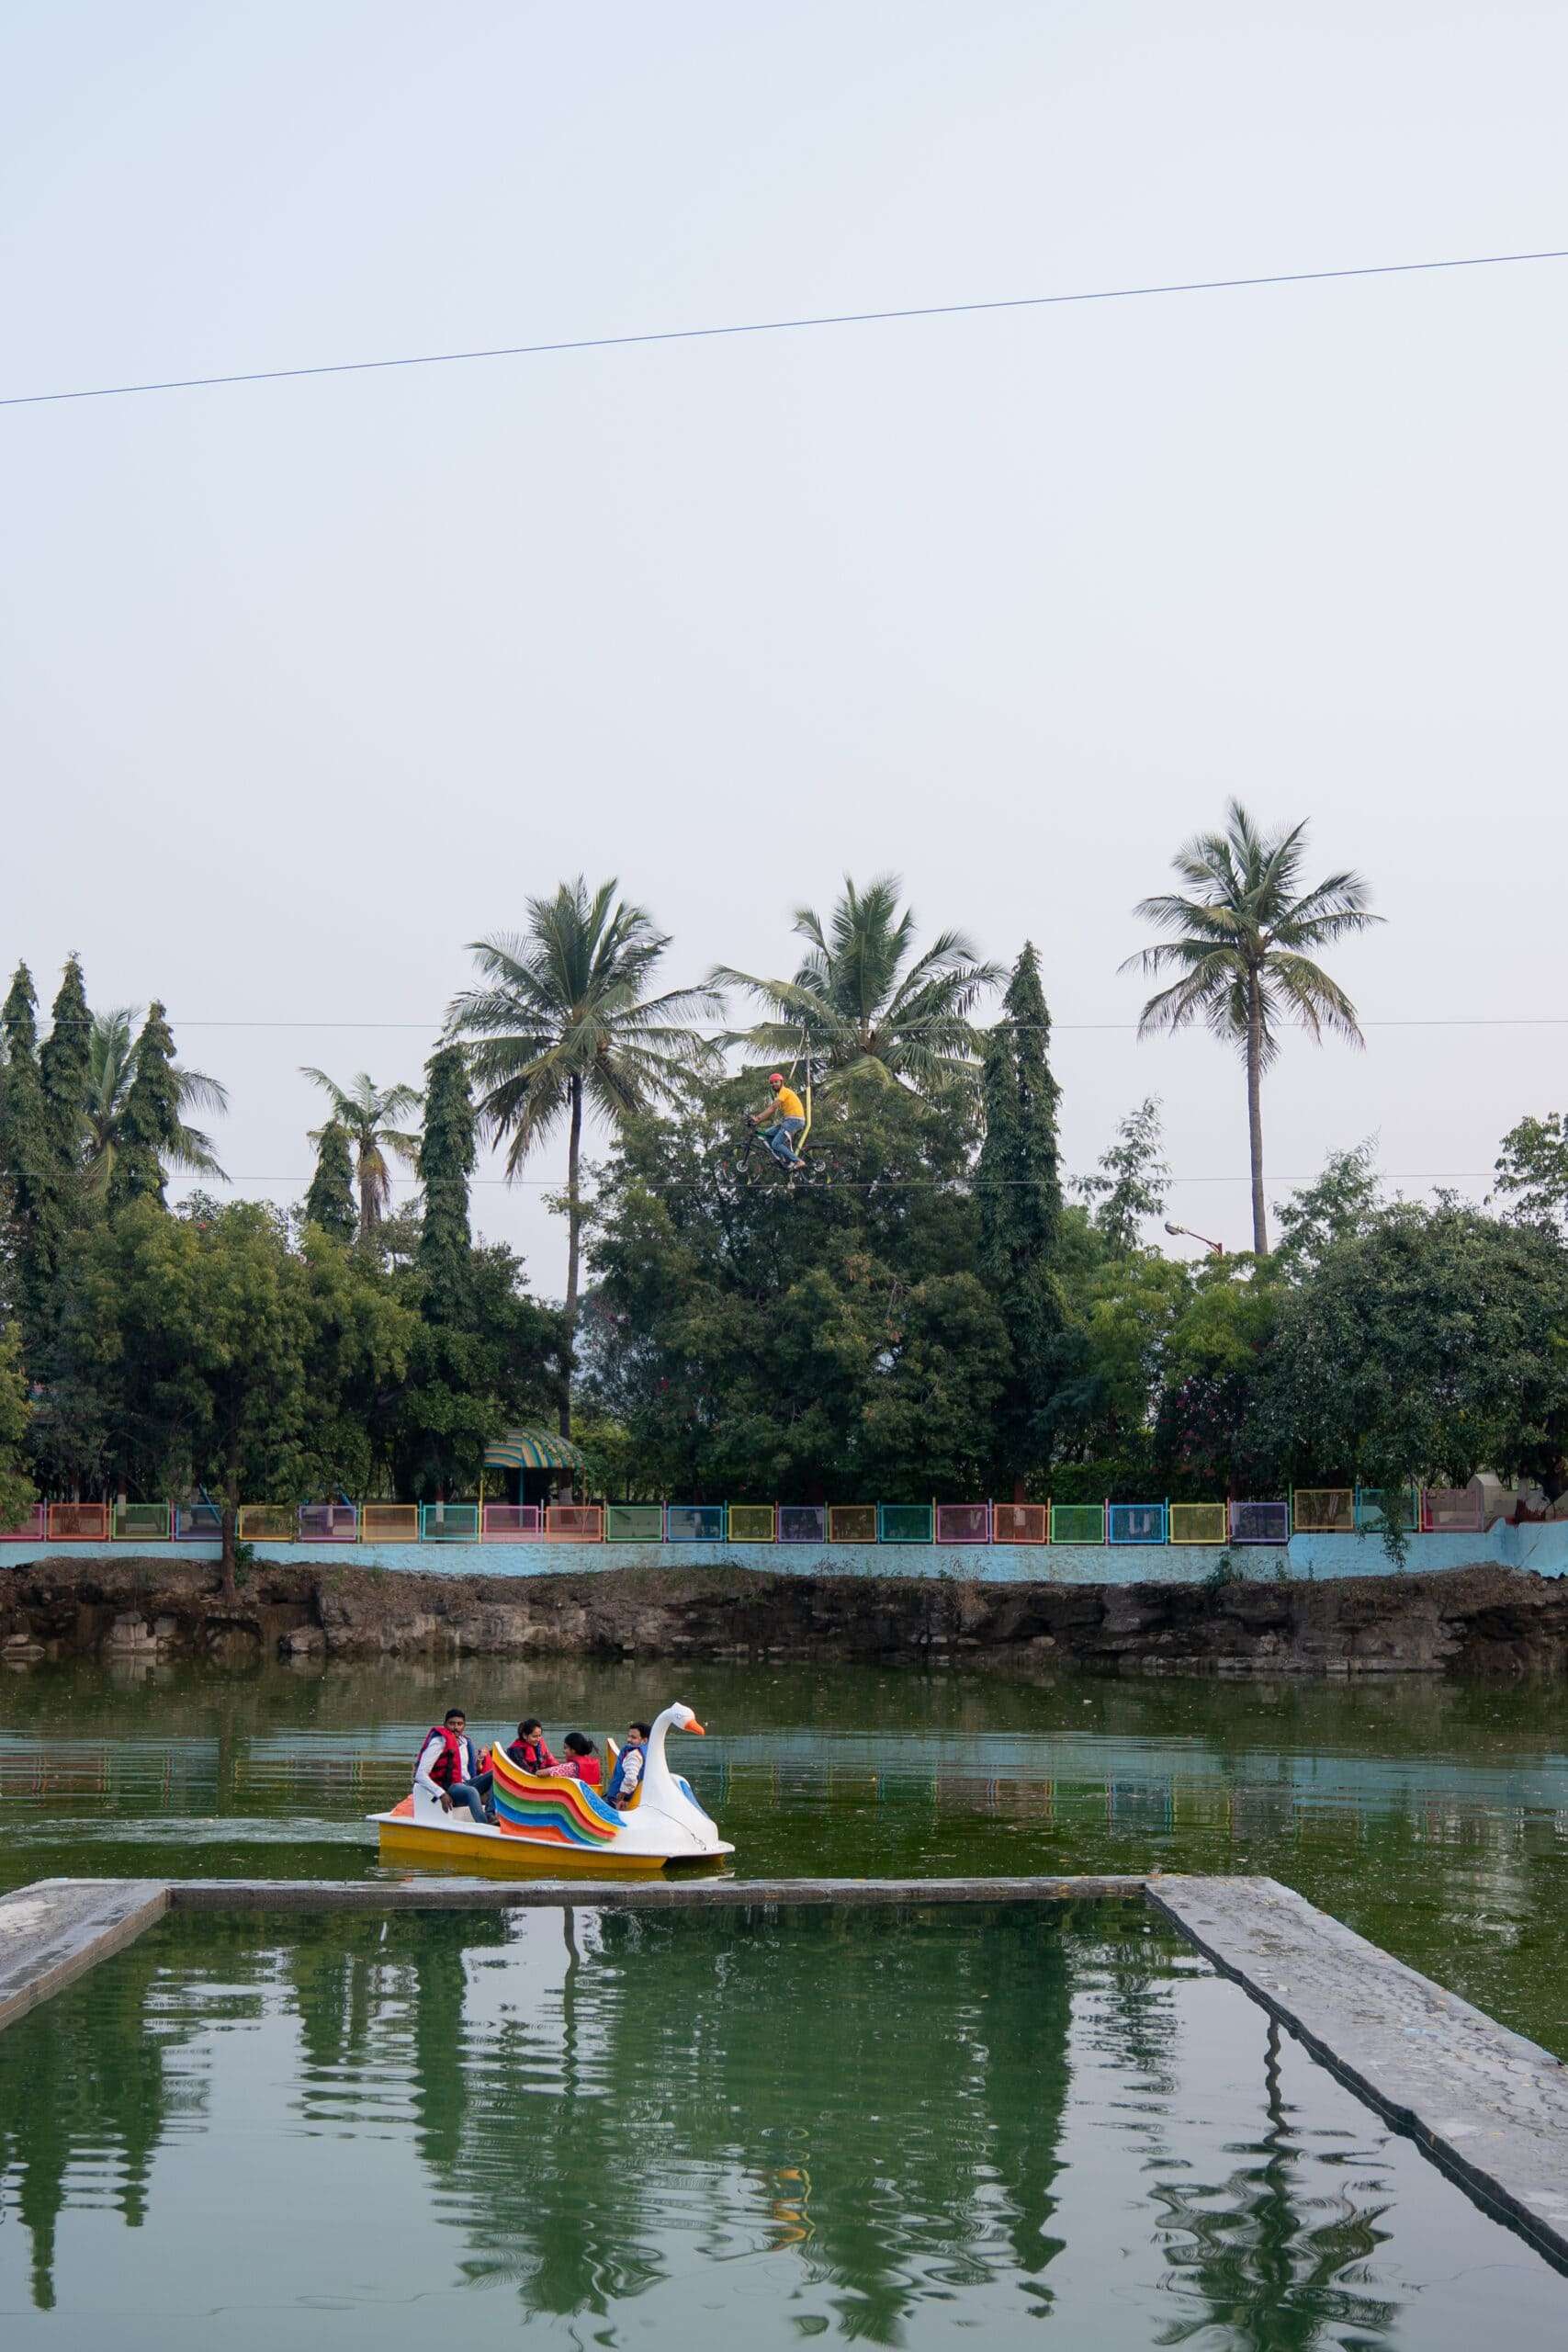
<point>560,1825</point>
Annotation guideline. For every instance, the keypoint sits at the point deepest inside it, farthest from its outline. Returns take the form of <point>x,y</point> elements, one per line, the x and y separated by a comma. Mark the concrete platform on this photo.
<point>1487,2105</point>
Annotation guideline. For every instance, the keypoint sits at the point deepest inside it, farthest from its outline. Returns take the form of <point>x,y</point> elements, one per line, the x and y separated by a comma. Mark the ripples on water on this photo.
<point>1432,1818</point>
<point>715,2130</point>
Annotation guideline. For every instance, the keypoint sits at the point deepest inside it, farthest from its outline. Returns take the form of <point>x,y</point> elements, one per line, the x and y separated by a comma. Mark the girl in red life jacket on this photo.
<point>529,1748</point>
<point>582,1761</point>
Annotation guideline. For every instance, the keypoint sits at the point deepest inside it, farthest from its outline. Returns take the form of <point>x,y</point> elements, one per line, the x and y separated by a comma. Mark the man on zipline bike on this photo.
<point>782,1123</point>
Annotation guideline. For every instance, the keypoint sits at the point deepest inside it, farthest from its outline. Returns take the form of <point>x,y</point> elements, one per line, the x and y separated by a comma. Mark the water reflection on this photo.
<point>874,2124</point>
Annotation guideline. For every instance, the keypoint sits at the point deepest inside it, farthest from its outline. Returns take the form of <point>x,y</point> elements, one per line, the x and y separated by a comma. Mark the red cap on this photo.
<point>775,1077</point>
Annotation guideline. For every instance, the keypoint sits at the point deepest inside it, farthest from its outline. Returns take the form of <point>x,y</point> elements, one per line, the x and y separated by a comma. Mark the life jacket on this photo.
<point>533,1755</point>
<point>622,1764</point>
<point>447,1768</point>
<point>590,1770</point>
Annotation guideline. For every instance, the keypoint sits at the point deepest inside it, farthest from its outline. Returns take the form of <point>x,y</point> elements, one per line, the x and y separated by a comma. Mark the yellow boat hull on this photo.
<point>433,1849</point>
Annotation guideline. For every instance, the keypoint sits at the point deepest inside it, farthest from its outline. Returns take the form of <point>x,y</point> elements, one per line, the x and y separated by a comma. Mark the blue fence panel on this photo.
<point>1135,1523</point>
<point>694,1522</point>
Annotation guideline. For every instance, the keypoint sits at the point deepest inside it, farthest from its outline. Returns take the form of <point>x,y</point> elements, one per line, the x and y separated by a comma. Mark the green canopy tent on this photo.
<point>533,1463</point>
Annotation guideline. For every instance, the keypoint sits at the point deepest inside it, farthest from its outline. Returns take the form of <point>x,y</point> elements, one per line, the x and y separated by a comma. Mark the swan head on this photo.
<point>683,1719</point>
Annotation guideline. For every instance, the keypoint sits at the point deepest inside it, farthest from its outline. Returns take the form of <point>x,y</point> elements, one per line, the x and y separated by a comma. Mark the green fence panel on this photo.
<point>1374,1506</point>
<point>1077,1522</point>
<point>905,1523</point>
<point>449,1523</point>
<point>634,1523</point>
<point>140,1524</point>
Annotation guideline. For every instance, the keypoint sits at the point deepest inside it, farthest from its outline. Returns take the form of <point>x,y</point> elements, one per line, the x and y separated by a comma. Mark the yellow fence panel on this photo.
<point>266,1522</point>
<point>1324,1511</point>
<point>751,1522</point>
<point>1199,1523</point>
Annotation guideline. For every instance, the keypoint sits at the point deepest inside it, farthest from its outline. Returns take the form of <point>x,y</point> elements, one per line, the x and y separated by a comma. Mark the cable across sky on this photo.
<point>736,328</point>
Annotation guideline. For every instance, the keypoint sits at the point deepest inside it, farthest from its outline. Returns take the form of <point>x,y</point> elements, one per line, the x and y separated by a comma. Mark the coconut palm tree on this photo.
<point>862,1005</point>
<point>367,1112</point>
<point>1239,941</point>
<point>561,1028</point>
<point>111,1066</point>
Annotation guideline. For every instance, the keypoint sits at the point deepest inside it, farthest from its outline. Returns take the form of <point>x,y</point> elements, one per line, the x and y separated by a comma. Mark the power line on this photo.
<point>784,326</point>
<point>927,1183</point>
<point>1053,1028</point>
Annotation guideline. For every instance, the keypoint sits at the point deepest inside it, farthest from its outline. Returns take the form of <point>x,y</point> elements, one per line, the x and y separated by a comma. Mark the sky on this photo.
<point>306,685</point>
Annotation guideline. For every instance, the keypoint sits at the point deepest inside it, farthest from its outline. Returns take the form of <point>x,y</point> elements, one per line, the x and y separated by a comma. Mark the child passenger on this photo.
<point>581,1761</point>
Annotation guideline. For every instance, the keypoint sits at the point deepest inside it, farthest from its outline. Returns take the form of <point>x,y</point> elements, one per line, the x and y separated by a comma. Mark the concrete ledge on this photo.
<point>1490,2106</point>
<point>624,1894</point>
<point>55,1930</point>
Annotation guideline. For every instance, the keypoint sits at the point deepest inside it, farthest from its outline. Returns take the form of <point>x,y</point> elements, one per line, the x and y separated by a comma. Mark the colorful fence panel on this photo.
<point>803,1524</point>
<point>1020,1522</point>
<point>449,1523</point>
<point>1198,1522</point>
<point>851,1523</point>
<point>1260,1522</point>
<point>694,1522</point>
<point>906,1522</point>
<point>511,1524</point>
<point>389,1523</point>
<point>1374,1503</point>
<point>31,1528</point>
<point>1324,1511</point>
<point>963,1522</point>
<point>1077,1522</point>
<point>140,1523</point>
<point>574,1523</point>
<point>197,1523</point>
<point>78,1522</point>
<point>1452,1510</point>
<point>634,1523</point>
<point>329,1523</point>
<point>266,1523</point>
<point>751,1522</point>
<point>1135,1523</point>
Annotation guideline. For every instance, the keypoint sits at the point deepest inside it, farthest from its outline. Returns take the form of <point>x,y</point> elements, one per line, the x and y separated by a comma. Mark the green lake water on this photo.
<point>715,2129</point>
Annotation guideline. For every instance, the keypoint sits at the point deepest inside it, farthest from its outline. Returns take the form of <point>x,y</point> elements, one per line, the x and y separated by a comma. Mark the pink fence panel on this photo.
<point>1452,1510</point>
<point>31,1528</point>
<point>963,1522</point>
<point>329,1523</point>
<point>512,1523</point>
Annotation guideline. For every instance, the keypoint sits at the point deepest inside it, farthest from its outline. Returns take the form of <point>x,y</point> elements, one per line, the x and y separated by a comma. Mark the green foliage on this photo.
<point>1131,1180</point>
<point>151,1128</point>
<point>1341,1203</point>
<point>367,1113</point>
<point>1018,1194</point>
<point>329,1203</point>
<point>17,1490</point>
<point>31,1212</point>
<point>865,1008</point>
<point>446,1151</point>
<point>111,1065</point>
<point>484,1356</point>
<point>832,1342</point>
<point>1241,937</point>
<point>1532,1172</point>
<point>63,1079</point>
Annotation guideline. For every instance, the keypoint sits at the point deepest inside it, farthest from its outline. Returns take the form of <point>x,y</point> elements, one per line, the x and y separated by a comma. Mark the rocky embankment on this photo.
<point>1483,1620</point>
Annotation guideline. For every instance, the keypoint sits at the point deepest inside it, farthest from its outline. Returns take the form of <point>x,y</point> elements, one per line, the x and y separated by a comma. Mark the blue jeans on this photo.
<point>465,1793</point>
<point>780,1139</point>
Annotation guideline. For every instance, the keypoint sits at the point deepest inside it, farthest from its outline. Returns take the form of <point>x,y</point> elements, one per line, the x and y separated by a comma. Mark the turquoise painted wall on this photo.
<point>1305,1558</point>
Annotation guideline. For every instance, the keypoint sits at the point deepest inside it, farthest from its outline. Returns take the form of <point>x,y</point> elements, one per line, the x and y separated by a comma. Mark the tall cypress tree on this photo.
<point>1018,1188</point>
<point>446,1153</point>
<point>63,1062</point>
<point>151,1117</point>
<point>25,1160</point>
<point>330,1200</point>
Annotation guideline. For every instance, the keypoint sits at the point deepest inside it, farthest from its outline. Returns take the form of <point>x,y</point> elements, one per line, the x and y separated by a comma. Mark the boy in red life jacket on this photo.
<point>448,1767</point>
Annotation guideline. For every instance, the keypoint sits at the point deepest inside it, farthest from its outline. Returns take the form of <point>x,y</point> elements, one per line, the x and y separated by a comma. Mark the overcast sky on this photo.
<point>307,685</point>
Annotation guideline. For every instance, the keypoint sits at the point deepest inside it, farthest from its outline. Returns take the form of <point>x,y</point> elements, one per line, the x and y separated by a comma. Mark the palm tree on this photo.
<point>366,1111</point>
<point>1238,942</point>
<point>111,1066</point>
<point>561,1027</point>
<point>859,1002</point>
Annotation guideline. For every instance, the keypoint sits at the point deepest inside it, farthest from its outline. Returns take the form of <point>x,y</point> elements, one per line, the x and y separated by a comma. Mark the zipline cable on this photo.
<point>785,326</point>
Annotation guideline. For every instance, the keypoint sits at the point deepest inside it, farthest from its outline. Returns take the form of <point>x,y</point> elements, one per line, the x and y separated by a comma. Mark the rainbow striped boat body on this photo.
<point>558,1825</point>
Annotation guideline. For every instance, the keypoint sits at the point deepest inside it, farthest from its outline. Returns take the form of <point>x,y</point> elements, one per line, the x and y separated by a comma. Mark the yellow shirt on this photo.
<point>788,1104</point>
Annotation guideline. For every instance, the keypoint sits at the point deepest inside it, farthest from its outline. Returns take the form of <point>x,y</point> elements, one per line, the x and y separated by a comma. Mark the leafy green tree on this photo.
<point>1123,1304</point>
<point>329,1203</point>
<point>865,1004</point>
<point>17,1490</point>
<point>367,1112</point>
<point>484,1357</point>
<point>62,1077</point>
<point>1429,1347</point>
<point>150,1128</point>
<point>1532,1172</point>
<point>562,1028</point>
<point>111,1069</point>
<point>1017,1192</point>
<point>1242,936</point>
<point>26,1162</point>
<point>447,1152</point>
<point>1342,1202</point>
<point>834,1343</point>
<point>1132,1182</point>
